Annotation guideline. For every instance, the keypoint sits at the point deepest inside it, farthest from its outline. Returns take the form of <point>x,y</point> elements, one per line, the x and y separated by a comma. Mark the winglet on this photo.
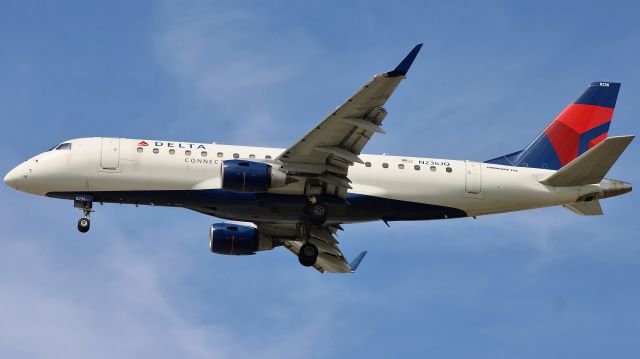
<point>403,68</point>
<point>356,262</point>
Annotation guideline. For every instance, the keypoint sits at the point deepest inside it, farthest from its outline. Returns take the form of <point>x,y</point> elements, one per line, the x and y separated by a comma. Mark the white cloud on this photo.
<point>119,290</point>
<point>104,305</point>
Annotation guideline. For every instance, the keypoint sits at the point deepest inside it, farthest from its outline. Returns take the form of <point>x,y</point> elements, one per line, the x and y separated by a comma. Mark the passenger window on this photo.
<point>367,164</point>
<point>220,155</point>
<point>432,168</point>
<point>187,152</point>
<point>448,169</point>
<point>268,157</point>
<point>172,151</point>
<point>400,166</point>
<point>385,165</point>
<point>252,156</point>
<point>64,146</point>
<point>155,150</point>
<point>203,153</point>
<point>416,167</point>
<point>235,155</point>
<point>140,149</point>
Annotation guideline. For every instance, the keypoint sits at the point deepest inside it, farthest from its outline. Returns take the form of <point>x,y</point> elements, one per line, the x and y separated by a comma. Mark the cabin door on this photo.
<point>473,177</point>
<point>110,158</point>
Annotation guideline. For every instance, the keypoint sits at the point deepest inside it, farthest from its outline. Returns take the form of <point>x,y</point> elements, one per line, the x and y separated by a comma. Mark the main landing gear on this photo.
<point>308,254</point>
<point>316,211</point>
<point>316,215</point>
<point>86,204</point>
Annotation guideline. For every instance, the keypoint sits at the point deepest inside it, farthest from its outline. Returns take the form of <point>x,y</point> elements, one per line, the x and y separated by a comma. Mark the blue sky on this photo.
<point>543,283</point>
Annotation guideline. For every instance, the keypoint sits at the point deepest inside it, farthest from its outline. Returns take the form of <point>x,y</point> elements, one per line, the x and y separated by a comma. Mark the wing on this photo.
<point>327,151</point>
<point>330,258</point>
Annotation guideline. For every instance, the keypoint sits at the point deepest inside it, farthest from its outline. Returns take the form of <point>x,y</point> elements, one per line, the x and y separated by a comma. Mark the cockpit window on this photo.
<point>64,146</point>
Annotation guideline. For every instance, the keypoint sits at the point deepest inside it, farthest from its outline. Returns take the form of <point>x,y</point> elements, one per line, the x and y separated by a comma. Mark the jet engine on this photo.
<point>249,176</point>
<point>233,239</point>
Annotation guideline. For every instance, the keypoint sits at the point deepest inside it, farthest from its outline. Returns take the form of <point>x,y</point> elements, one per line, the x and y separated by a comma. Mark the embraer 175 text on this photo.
<point>298,197</point>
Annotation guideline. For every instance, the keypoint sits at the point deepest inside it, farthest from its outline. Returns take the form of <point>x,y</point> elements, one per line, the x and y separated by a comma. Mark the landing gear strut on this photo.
<point>316,215</point>
<point>86,204</point>
<point>308,253</point>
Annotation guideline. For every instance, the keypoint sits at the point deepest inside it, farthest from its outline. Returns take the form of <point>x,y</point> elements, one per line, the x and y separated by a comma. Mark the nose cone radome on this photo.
<point>11,179</point>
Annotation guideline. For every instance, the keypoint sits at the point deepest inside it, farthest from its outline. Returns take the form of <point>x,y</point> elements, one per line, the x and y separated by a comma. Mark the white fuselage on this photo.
<point>125,168</point>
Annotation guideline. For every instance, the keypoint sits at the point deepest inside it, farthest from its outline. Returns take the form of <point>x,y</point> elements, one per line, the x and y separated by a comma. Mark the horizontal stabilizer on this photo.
<point>591,208</point>
<point>592,166</point>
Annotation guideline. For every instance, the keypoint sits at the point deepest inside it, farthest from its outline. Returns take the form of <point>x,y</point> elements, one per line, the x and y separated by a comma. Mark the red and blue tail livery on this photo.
<point>582,125</point>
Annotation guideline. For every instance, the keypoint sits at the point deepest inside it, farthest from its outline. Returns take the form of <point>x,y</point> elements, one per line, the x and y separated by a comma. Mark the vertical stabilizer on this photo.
<point>582,125</point>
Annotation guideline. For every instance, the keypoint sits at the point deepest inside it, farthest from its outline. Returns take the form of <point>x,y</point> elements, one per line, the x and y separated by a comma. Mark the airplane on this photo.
<point>300,197</point>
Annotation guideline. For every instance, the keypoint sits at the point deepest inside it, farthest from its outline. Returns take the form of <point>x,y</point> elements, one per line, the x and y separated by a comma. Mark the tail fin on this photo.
<point>582,125</point>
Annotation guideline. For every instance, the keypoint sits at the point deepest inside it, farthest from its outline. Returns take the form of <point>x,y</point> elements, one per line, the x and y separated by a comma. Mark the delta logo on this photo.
<point>173,145</point>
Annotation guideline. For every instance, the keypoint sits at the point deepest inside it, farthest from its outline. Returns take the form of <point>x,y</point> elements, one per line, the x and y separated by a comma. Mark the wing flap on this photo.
<point>330,258</point>
<point>364,124</point>
<point>326,262</point>
<point>341,153</point>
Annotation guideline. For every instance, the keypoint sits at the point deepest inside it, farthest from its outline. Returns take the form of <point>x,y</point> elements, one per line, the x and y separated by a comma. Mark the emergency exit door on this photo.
<point>473,177</point>
<point>110,158</point>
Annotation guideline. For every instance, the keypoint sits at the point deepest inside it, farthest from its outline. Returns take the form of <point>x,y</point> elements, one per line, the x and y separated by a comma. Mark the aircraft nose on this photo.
<point>11,179</point>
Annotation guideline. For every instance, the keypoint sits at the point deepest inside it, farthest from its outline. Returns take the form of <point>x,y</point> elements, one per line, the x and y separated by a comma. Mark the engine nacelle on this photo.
<point>249,176</point>
<point>233,239</point>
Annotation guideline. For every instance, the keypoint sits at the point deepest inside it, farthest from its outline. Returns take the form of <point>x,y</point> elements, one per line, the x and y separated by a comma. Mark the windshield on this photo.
<point>64,146</point>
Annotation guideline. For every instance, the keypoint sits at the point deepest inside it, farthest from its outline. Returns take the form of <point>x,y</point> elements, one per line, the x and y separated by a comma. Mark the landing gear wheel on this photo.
<point>317,213</point>
<point>83,225</point>
<point>308,254</point>
<point>85,203</point>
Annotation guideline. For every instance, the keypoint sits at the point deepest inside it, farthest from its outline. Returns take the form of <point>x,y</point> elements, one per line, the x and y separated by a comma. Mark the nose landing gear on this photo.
<point>85,203</point>
<point>84,224</point>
